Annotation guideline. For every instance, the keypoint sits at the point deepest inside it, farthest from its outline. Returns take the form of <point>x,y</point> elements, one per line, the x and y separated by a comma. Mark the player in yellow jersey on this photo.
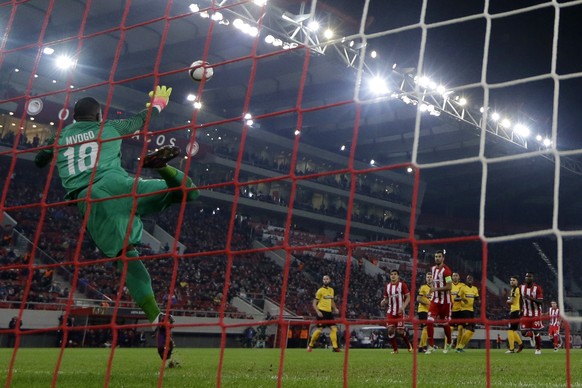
<point>514,303</point>
<point>325,308</point>
<point>456,314</point>
<point>423,299</point>
<point>469,294</point>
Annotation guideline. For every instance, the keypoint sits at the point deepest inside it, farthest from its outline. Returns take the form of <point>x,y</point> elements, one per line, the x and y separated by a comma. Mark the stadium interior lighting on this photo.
<point>343,147</point>
<point>191,97</point>
<point>260,3</point>
<point>64,62</point>
<point>462,101</point>
<point>505,123</point>
<point>409,170</point>
<point>423,107</point>
<point>547,142</point>
<point>373,54</point>
<point>539,137</point>
<point>197,105</point>
<point>16,70</point>
<point>248,116</point>
<point>249,123</point>
<point>313,25</point>
<point>48,50</point>
<point>495,116</point>
<point>328,34</point>
<point>269,39</point>
<point>194,8</point>
<point>297,132</point>
<point>521,130</point>
<point>372,162</point>
<point>378,86</point>
<point>217,16</point>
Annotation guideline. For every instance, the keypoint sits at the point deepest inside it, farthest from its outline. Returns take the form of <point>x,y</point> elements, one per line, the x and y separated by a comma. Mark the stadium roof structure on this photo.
<point>270,82</point>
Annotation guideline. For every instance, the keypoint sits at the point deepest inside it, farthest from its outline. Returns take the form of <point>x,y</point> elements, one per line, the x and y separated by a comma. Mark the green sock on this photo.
<point>173,178</point>
<point>139,283</point>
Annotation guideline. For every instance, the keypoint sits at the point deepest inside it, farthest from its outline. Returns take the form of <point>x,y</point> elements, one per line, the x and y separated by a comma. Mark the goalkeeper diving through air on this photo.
<point>90,144</point>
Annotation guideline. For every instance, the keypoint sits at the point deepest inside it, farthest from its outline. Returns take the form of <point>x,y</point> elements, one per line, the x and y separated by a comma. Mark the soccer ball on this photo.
<point>200,70</point>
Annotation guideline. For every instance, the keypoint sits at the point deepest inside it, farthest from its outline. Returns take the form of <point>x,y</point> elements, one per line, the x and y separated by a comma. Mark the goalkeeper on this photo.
<point>90,145</point>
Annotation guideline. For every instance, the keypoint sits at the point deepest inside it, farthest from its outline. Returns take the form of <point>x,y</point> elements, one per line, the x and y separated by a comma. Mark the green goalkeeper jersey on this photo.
<point>81,150</point>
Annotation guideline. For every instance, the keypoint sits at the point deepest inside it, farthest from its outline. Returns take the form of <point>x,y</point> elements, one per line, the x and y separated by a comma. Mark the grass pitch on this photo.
<point>255,368</point>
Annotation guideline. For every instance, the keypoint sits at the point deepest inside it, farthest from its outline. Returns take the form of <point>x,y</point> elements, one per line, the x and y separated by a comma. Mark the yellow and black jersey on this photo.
<point>516,299</point>
<point>425,294</point>
<point>470,294</point>
<point>324,297</point>
<point>455,296</point>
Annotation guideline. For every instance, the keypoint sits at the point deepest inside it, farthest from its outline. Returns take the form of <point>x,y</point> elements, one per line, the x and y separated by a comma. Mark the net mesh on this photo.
<point>305,92</point>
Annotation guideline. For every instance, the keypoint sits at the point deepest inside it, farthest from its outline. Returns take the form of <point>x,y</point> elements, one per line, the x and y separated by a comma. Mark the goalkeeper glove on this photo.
<point>160,98</point>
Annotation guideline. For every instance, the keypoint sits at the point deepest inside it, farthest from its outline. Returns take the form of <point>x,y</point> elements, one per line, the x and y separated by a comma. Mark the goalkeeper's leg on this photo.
<point>139,284</point>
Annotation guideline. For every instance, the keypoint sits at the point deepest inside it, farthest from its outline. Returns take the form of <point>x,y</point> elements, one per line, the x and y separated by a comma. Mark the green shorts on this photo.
<point>109,219</point>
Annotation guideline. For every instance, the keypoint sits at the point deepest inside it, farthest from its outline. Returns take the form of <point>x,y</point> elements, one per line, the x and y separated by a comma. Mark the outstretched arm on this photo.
<point>45,156</point>
<point>158,100</point>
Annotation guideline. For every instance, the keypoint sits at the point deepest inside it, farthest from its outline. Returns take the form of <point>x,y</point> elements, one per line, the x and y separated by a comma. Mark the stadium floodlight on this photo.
<point>424,81</point>
<point>409,170</point>
<point>297,132</point>
<point>441,89</point>
<point>191,97</point>
<point>16,70</point>
<point>48,50</point>
<point>539,138</point>
<point>54,81</point>
<point>65,62</point>
<point>372,162</point>
<point>343,147</point>
<point>521,130</point>
<point>194,8</point>
<point>423,107</point>
<point>378,86</point>
<point>373,54</point>
<point>462,101</point>
<point>204,15</point>
<point>260,3</point>
<point>269,39</point>
<point>197,105</point>
<point>248,116</point>
<point>217,16</point>
<point>495,116</point>
<point>313,25</point>
<point>407,100</point>
<point>547,142</point>
<point>249,123</point>
<point>505,123</point>
<point>328,34</point>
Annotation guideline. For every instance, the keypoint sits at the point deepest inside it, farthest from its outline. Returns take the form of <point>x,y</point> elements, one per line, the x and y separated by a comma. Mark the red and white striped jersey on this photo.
<point>394,294</point>
<point>439,279</point>
<point>554,316</point>
<point>529,308</point>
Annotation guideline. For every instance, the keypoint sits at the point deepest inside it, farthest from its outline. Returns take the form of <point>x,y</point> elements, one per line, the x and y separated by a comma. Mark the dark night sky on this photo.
<point>520,47</point>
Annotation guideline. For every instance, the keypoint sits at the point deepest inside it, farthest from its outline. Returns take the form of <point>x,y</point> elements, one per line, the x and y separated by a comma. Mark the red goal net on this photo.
<point>369,142</point>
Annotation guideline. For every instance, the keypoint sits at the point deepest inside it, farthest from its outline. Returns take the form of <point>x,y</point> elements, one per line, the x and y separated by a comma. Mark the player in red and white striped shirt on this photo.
<point>440,305</point>
<point>555,322</point>
<point>531,311</point>
<point>396,300</point>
